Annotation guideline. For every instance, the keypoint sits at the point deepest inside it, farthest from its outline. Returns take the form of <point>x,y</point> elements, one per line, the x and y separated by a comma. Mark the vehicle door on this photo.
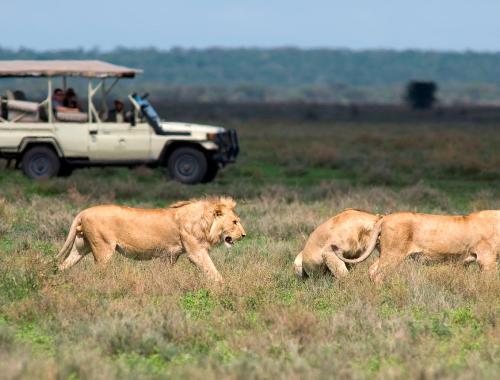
<point>73,138</point>
<point>119,141</point>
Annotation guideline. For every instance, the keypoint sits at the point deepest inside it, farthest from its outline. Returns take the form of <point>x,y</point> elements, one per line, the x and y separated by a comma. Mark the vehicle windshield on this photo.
<point>148,111</point>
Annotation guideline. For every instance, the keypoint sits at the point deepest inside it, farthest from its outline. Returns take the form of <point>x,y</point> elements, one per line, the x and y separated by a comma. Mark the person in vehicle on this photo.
<point>19,95</point>
<point>71,100</point>
<point>118,114</point>
<point>58,102</point>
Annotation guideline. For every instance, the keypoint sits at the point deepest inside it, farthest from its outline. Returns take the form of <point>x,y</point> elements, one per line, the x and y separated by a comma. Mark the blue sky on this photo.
<point>357,24</point>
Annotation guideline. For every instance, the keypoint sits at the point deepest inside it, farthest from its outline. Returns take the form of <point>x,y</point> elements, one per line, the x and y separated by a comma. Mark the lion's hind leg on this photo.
<point>336,266</point>
<point>389,260</point>
<point>394,249</point>
<point>78,251</point>
<point>102,251</point>
<point>373,268</point>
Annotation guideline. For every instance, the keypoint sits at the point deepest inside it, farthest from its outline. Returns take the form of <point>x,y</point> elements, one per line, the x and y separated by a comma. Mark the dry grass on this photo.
<point>149,320</point>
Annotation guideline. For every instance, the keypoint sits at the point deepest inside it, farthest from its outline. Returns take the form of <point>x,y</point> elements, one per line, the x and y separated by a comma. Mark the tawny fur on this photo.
<point>348,232</point>
<point>475,237</point>
<point>191,227</point>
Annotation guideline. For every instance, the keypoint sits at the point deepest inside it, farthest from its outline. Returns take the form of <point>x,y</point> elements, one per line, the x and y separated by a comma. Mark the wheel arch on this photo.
<point>29,142</point>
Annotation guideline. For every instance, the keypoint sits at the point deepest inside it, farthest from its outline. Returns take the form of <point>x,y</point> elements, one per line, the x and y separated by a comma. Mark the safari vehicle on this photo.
<point>45,143</point>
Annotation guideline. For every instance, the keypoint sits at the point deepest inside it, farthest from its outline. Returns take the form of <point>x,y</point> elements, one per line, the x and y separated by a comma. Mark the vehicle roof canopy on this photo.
<point>88,69</point>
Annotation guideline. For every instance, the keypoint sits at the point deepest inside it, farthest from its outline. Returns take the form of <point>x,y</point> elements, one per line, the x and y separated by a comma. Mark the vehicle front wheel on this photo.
<point>187,165</point>
<point>40,162</point>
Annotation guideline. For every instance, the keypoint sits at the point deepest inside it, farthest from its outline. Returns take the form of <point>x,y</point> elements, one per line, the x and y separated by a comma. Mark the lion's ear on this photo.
<point>227,202</point>
<point>223,204</point>
<point>218,210</point>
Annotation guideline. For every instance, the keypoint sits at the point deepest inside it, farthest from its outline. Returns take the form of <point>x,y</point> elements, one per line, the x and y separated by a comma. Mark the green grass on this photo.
<point>148,320</point>
<point>198,304</point>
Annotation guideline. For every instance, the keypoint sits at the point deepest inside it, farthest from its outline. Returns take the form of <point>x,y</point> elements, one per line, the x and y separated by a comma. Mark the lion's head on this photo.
<point>226,224</point>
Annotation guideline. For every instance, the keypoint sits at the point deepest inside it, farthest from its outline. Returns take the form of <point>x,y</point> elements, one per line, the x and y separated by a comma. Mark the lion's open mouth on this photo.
<point>228,240</point>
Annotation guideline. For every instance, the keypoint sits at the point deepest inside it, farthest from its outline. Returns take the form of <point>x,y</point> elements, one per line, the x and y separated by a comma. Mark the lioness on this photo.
<point>350,232</point>
<point>191,227</point>
<point>475,237</point>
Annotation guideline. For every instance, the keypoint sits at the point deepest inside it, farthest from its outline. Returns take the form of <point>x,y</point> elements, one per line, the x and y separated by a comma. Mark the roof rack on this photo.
<point>85,68</point>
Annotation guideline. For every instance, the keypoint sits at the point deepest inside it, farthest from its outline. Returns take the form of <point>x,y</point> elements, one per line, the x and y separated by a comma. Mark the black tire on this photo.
<point>40,162</point>
<point>212,169</point>
<point>187,165</point>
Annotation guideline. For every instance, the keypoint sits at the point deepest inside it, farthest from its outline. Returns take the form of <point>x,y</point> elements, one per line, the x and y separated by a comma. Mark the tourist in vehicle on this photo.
<point>71,100</point>
<point>118,114</point>
<point>58,102</point>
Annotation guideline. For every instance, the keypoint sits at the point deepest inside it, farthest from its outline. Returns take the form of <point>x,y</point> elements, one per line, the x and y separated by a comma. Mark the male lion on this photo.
<point>475,237</point>
<point>350,232</point>
<point>191,227</point>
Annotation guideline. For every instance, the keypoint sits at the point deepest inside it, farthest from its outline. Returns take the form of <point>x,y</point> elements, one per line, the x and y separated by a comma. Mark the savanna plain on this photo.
<point>151,320</point>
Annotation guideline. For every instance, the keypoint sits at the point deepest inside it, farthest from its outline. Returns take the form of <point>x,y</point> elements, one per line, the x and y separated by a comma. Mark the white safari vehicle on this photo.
<point>45,141</point>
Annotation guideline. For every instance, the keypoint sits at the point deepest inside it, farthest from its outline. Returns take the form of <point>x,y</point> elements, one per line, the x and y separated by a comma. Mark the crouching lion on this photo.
<point>350,232</point>
<point>192,227</point>
<point>475,237</point>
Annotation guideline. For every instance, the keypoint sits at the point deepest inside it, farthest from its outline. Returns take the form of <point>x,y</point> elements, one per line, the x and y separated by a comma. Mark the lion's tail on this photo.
<point>372,242</point>
<point>71,238</point>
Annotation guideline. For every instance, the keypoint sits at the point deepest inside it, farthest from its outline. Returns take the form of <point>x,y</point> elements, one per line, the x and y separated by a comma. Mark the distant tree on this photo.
<point>421,95</point>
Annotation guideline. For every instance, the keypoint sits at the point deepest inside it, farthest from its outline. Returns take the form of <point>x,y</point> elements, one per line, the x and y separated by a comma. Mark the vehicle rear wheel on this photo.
<point>187,165</point>
<point>212,169</point>
<point>40,162</point>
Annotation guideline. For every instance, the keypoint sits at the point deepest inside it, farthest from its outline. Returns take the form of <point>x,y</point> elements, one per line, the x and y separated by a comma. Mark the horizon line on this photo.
<point>98,49</point>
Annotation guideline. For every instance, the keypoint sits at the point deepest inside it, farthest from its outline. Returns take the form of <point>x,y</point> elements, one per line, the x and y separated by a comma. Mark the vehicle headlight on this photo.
<point>211,136</point>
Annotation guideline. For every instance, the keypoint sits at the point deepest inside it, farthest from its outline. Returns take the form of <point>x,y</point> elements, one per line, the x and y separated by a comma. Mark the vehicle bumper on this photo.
<point>228,147</point>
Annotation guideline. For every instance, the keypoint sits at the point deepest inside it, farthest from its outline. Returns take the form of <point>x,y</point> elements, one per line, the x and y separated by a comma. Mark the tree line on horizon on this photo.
<point>292,74</point>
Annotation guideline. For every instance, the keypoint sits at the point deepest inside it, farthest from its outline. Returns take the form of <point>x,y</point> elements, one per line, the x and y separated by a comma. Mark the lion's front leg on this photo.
<point>198,255</point>
<point>204,262</point>
<point>486,257</point>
